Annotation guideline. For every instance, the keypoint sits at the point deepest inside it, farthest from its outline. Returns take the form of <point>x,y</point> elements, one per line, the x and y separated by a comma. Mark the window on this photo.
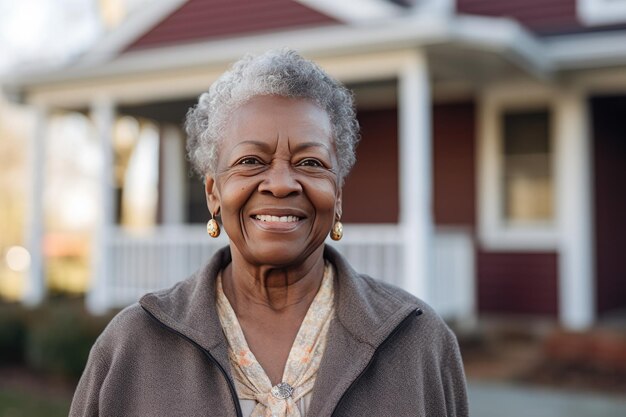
<point>518,137</point>
<point>598,12</point>
<point>527,196</point>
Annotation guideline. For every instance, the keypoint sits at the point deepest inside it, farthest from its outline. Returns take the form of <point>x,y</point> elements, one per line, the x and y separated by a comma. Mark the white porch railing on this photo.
<point>145,262</point>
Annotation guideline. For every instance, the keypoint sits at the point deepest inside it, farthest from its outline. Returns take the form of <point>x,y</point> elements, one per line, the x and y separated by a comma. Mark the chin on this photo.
<point>279,254</point>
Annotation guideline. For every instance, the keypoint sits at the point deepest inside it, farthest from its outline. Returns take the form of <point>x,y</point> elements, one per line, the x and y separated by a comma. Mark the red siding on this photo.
<point>518,283</point>
<point>609,131</point>
<point>454,171</point>
<point>370,194</point>
<point>371,190</point>
<point>545,16</point>
<point>205,19</point>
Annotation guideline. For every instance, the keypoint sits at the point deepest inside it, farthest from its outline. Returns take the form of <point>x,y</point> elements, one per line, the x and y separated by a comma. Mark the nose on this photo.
<point>280,180</point>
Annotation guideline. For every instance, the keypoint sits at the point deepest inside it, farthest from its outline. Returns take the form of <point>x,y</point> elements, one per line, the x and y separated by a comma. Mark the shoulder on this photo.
<point>420,351</point>
<point>369,303</point>
<point>427,320</point>
<point>424,340</point>
<point>125,332</point>
<point>131,319</point>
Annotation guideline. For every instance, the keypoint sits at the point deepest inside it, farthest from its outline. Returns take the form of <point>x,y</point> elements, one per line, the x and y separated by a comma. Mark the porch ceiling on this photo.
<point>452,63</point>
<point>162,111</point>
<point>371,95</point>
<point>465,69</point>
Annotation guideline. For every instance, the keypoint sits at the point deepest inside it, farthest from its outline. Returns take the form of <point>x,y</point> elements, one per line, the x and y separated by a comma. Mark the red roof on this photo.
<point>543,16</point>
<point>198,20</point>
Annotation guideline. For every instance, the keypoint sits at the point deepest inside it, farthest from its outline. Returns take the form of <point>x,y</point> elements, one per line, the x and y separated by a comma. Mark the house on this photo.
<point>493,144</point>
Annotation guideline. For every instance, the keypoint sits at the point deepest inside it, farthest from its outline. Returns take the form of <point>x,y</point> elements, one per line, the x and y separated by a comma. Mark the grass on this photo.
<point>15,403</point>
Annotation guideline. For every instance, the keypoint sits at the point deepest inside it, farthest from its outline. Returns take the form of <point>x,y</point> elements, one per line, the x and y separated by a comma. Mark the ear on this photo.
<point>211,191</point>
<point>338,205</point>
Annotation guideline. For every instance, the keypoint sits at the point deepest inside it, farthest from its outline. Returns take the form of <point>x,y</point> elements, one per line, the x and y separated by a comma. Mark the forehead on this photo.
<point>269,118</point>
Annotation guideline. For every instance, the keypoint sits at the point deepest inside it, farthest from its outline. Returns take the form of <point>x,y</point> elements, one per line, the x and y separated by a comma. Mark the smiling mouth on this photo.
<point>276,219</point>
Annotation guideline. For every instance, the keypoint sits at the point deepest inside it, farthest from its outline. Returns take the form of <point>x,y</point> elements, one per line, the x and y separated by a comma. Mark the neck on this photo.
<point>270,288</point>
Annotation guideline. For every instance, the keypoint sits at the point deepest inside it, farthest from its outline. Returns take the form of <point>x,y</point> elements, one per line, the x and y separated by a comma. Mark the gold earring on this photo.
<point>212,227</point>
<point>336,232</point>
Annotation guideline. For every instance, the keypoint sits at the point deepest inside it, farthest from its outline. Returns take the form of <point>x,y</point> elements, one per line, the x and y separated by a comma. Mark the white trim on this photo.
<point>600,12</point>
<point>453,293</point>
<point>172,174</point>
<point>103,113</point>
<point>135,25</point>
<point>432,7</point>
<point>575,194</point>
<point>354,11</point>
<point>493,232</point>
<point>333,40</point>
<point>589,50</point>
<point>35,290</point>
<point>141,88</point>
<point>415,174</point>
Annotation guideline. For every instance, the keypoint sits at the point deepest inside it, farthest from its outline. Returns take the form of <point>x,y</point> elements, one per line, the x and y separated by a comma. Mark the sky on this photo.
<point>51,32</point>
<point>42,32</point>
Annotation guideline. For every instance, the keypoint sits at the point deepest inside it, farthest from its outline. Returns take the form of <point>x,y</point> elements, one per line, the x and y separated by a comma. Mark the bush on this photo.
<point>55,338</point>
<point>60,337</point>
<point>13,330</point>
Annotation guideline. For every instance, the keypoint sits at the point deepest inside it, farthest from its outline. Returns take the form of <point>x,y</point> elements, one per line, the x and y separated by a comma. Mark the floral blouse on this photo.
<point>291,397</point>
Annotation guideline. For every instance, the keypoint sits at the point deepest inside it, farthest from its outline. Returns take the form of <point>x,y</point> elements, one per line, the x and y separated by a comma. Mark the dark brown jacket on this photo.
<point>388,354</point>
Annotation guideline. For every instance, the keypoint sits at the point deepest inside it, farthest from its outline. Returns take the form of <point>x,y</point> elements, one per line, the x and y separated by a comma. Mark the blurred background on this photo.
<point>492,163</point>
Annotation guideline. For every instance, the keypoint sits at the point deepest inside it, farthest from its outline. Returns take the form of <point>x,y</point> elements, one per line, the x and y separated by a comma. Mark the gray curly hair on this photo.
<point>277,72</point>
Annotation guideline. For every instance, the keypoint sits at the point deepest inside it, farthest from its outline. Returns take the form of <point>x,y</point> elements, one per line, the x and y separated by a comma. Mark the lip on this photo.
<point>278,227</point>
<point>279,212</point>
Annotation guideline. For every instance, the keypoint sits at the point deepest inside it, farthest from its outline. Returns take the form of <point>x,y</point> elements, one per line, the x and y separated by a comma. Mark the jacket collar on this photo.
<point>366,311</point>
<point>364,308</point>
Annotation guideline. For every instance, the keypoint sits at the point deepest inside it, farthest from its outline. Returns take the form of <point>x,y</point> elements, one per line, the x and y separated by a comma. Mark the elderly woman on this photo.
<point>277,323</point>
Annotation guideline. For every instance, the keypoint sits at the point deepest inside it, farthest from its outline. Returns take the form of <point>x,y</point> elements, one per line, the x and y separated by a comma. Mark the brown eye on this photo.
<point>310,163</point>
<point>248,160</point>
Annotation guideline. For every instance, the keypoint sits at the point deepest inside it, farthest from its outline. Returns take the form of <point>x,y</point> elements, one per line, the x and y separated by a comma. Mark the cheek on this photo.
<point>234,194</point>
<point>323,196</point>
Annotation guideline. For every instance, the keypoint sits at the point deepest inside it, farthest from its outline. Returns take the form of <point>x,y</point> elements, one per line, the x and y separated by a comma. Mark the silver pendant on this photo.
<point>282,391</point>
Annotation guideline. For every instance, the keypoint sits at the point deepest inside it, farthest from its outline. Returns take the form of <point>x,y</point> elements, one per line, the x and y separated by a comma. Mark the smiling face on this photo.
<point>276,185</point>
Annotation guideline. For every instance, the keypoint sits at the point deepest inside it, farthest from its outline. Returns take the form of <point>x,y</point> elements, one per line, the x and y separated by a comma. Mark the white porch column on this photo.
<point>415,172</point>
<point>35,289</point>
<point>103,115</point>
<point>172,175</point>
<point>574,202</point>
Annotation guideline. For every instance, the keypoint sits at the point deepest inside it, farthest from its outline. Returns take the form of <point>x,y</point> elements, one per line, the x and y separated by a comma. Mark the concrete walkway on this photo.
<point>491,399</point>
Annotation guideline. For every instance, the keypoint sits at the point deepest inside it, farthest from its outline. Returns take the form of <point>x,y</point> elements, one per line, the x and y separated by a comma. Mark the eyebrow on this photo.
<point>267,147</point>
<point>306,145</point>
<point>264,145</point>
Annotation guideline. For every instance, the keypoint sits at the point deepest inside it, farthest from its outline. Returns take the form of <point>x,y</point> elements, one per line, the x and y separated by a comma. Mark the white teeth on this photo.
<point>283,219</point>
